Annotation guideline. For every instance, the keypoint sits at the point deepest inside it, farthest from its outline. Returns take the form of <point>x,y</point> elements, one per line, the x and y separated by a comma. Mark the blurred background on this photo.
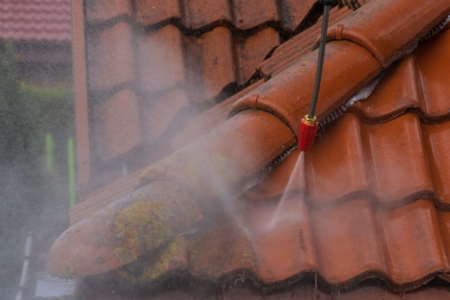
<point>36,131</point>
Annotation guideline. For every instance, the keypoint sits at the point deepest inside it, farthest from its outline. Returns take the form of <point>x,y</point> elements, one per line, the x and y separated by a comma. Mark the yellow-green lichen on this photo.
<point>125,255</point>
<point>165,263</point>
<point>170,253</point>
<point>142,225</point>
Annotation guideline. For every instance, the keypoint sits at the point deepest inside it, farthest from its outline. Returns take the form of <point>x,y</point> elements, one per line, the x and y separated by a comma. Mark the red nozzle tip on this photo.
<point>307,133</point>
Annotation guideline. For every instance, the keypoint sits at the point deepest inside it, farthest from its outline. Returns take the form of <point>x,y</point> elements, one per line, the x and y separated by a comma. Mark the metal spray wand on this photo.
<point>309,124</point>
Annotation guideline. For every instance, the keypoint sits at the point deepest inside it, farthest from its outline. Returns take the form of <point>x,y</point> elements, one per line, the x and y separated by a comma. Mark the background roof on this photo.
<point>35,20</point>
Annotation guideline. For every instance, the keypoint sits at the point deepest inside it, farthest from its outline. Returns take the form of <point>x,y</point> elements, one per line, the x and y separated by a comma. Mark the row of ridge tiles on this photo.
<point>43,20</point>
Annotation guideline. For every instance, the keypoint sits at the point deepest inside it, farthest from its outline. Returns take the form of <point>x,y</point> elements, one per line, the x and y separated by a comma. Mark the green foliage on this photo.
<point>31,198</point>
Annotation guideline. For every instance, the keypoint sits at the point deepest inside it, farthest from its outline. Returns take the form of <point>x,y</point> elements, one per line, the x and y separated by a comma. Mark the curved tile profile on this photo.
<point>373,202</point>
<point>178,58</point>
<point>344,245</point>
<point>239,14</point>
<point>389,43</point>
<point>298,46</point>
<point>417,82</point>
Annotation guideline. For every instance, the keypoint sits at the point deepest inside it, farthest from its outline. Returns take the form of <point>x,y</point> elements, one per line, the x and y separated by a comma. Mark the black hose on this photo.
<point>323,35</point>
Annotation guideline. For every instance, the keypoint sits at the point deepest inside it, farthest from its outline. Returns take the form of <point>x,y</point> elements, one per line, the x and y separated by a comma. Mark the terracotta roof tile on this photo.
<point>398,229</point>
<point>161,111</point>
<point>151,12</point>
<point>105,196</point>
<point>369,200</point>
<point>252,51</point>
<point>102,10</point>
<point>372,166</point>
<point>297,47</point>
<point>210,63</point>
<point>48,20</point>
<point>241,14</point>
<point>251,13</point>
<point>293,11</point>
<point>108,51</point>
<point>160,59</point>
<point>437,139</point>
<point>347,242</point>
<point>156,48</point>
<point>385,46</point>
<point>116,132</point>
<point>208,119</point>
<point>200,13</point>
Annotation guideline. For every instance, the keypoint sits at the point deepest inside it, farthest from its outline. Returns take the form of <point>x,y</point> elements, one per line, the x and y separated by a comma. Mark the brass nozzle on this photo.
<point>310,121</point>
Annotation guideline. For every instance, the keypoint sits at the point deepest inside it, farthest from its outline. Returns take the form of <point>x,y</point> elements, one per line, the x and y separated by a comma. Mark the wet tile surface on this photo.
<point>205,50</point>
<point>370,200</point>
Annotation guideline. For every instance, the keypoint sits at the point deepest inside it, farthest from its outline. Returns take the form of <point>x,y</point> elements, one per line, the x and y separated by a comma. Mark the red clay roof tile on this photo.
<point>437,141</point>
<point>36,21</point>
<point>116,132</point>
<point>144,47</point>
<point>297,47</point>
<point>160,59</point>
<point>160,111</point>
<point>240,14</point>
<point>202,124</point>
<point>380,213</point>
<point>210,63</point>
<point>151,12</point>
<point>103,10</point>
<point>388,44</point>
<point>251,13</point>
<point>108,51</point>
<point>254,50</point>
<point>293,11</point>
<point>200,13</point>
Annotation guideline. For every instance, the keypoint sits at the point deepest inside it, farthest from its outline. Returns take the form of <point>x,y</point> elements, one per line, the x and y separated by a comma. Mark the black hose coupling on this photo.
<point>328,2</point>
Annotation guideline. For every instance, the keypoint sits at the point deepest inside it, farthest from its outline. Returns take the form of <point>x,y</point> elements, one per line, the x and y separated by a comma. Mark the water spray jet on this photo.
<point>309,123</point>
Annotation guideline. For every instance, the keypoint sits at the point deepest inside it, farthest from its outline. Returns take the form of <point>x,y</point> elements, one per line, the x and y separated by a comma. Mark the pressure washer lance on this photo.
<point>309,124</point>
